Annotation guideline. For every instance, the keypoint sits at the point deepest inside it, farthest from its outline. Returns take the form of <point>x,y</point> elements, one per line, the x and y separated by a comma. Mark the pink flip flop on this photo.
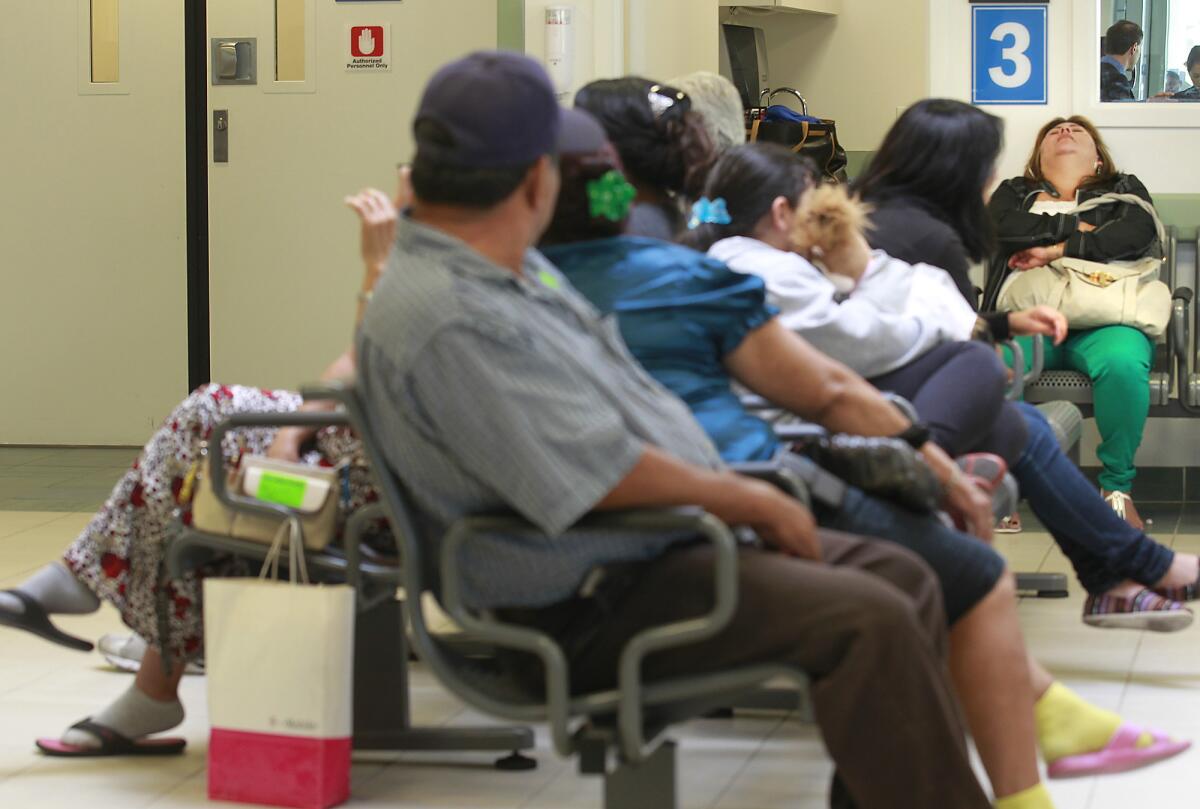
<point>111,744</point>
<point>1119,755</point>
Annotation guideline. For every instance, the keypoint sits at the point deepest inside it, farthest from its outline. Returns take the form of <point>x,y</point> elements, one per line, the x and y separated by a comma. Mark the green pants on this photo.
<point>1117,359</point>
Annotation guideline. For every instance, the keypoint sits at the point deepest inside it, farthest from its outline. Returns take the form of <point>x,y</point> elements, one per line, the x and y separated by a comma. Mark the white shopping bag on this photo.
<point>279,658</point>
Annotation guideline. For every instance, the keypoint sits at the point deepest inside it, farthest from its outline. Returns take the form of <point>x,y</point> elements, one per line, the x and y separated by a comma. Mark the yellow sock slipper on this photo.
<point>1068,725</point>
<point>1033,798</point>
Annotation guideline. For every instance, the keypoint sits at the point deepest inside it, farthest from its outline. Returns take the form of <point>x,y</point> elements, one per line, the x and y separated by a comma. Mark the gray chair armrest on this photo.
<point>1181,305</point>
<point>775,473</point>
<point>1023,379</point>
<point>1016,388</point>
<point>332,390</point>
<point>631,689</point>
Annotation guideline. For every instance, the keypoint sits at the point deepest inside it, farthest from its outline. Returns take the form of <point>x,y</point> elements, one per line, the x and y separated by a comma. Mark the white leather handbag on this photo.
<point>1091,294</point>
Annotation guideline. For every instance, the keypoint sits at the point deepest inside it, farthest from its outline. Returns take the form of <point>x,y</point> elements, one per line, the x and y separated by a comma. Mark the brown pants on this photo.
<point>866,624</point>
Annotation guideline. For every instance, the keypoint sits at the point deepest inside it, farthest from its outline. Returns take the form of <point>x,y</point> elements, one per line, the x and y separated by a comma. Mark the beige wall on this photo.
<point>653,38</point>
<point>668,38</point>
<point>1153,153</point>
<point>858,67</point>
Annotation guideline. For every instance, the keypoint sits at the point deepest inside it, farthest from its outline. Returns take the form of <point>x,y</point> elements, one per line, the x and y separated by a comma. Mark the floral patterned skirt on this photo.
<point>119,554</point>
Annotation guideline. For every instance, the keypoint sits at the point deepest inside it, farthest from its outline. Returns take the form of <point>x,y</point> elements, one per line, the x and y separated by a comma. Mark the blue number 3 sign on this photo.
<point>1009,57</point>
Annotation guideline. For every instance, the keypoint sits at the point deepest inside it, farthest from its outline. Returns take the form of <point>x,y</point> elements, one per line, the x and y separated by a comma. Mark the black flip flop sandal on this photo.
<point>111,744</point>
<point>34,619</point>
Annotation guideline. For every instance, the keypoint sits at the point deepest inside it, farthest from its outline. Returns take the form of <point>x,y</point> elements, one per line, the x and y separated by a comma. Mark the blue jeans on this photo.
<point>967,568</point>
<point>1103,548</point>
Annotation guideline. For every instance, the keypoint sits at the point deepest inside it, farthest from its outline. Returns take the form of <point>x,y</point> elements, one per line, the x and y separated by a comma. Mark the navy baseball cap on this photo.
<point>498,110</point>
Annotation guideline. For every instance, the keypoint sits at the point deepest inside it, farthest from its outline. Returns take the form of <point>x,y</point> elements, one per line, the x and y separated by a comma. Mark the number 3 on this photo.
<point>1015,53</point>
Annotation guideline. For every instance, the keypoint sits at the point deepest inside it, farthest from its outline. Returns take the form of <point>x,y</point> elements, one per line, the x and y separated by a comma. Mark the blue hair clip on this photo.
<point>710,212</point>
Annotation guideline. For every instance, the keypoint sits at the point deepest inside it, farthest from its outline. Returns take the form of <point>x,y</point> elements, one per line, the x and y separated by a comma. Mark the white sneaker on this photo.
<point>125,652</point>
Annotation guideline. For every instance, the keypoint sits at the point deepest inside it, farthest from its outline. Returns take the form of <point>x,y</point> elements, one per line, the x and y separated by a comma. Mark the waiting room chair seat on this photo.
<point>1074,387</point>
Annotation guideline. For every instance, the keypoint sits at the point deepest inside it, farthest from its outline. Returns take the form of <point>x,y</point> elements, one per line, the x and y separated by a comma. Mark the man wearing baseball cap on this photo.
<point>494,386</point>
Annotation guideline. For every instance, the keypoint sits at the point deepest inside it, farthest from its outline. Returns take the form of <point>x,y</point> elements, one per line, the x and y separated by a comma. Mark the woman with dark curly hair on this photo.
<point>664,146</point>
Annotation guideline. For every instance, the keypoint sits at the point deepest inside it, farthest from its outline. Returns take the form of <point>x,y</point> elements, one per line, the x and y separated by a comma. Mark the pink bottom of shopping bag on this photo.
<point>275,770</point>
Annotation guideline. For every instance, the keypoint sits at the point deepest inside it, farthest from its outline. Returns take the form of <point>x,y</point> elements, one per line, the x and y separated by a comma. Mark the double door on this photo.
<point>94,190</point>
<point>337,84</point>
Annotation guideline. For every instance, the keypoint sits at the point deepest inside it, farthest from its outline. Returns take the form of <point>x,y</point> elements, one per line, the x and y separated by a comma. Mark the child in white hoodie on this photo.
<point>904,327</point>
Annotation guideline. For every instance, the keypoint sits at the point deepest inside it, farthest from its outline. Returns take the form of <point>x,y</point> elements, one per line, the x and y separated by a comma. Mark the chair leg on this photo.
<point>380,672</point>
<point>649,785</point>
<point>381,699</point>
<point>1043,585</point>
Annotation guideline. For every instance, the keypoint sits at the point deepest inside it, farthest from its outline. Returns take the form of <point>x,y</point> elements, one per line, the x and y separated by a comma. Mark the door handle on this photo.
<point>234,60</point>
<point>225,61</point>
<point>220,136</point>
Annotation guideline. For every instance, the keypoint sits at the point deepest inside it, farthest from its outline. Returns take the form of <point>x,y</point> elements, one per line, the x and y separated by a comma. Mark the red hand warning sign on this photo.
<point>368,48</point>
<point>366,41</point>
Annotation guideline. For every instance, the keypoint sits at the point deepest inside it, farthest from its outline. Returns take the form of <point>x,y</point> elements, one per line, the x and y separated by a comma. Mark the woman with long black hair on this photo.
<point>928,186</point>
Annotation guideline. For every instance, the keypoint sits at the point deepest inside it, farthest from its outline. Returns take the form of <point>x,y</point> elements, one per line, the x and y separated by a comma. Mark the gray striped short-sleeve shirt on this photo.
<point>493,392</point>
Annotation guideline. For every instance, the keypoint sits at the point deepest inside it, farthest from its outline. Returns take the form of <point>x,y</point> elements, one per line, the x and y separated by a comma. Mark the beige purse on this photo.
<point>310,491</point>
<point>1091,294</point>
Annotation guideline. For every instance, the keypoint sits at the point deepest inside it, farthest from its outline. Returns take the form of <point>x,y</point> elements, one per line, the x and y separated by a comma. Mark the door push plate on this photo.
<point>234,60</point>
<point>220,136</point>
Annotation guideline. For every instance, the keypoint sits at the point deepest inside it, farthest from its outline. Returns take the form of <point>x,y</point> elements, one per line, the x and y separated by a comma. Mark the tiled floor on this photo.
<point>753,762</point>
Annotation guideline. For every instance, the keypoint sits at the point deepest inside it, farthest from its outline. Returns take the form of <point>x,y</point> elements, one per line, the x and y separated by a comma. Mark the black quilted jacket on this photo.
<point>1123,231</point>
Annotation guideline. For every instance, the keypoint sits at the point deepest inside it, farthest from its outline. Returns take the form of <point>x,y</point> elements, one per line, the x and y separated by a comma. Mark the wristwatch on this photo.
<point>916,436</point>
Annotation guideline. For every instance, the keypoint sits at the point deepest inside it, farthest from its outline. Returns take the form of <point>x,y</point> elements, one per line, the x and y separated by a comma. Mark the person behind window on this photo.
<point>1175,83</point>
<point>1193,68</point>
<point>1122,44</point>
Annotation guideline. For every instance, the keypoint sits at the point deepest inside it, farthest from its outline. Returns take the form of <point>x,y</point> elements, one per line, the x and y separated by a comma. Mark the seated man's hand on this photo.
<point>1043,320</point>
<point>783,523</point>
<point>378,216</point>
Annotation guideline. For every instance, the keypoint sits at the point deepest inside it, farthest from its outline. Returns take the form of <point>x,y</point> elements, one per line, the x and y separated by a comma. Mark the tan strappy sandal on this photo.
<point>1122,504</point>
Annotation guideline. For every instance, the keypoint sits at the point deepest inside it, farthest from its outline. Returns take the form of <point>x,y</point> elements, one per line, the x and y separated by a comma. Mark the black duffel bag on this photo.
<point>815,138</point>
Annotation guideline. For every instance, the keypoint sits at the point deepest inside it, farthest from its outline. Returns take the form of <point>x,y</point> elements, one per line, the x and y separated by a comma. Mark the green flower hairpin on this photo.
<point>611,196</point>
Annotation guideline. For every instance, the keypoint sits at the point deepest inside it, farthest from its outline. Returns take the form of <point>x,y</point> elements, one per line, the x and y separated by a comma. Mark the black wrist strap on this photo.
<point>916,436</point>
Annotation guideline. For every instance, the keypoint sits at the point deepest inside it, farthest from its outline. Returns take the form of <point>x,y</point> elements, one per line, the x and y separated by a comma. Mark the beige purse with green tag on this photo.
<point>312,492</point>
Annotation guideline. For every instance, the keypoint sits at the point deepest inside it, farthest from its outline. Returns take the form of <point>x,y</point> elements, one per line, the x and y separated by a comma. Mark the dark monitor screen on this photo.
<point>742,44</point>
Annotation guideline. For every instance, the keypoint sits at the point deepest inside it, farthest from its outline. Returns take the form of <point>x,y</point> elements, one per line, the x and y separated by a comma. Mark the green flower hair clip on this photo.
<point>611,196</point>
